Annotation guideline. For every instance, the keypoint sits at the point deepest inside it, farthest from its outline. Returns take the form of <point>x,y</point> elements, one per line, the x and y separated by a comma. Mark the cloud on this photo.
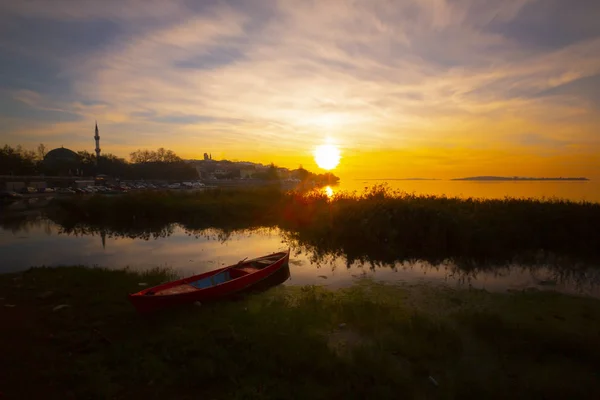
<point>75,10</point>
<point>552,24</point>
<point>371,74</point>
<point>537,140</point>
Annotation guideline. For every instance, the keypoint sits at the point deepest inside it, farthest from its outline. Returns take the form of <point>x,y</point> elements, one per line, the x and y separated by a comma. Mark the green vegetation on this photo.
<point>152,211</point>
<point>367,341</point>
<point>378,226</point>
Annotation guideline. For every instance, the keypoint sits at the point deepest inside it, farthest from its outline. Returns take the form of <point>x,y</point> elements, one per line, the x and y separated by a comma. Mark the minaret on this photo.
<point>97,137</point>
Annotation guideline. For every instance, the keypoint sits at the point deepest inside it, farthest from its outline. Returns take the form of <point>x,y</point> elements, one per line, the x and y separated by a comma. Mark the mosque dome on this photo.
<point>61,155</point>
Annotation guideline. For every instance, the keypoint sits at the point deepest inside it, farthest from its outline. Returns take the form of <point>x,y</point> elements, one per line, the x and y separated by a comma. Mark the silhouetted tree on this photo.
<point>111,165</point>
<point>160,164</point>
<point>17,161</point>
<point>302,174</point>
<point>140,156</point>
<point>160,155</point>
<point>41,151</point>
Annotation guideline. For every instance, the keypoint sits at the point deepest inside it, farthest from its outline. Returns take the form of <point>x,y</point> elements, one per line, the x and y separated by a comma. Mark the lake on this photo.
<point>41,242</point>
<point>570,190</point>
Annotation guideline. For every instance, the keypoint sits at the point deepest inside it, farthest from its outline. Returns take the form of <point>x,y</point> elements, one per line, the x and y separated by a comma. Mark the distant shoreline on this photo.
<point>516,178</point>
<point>478,178</point>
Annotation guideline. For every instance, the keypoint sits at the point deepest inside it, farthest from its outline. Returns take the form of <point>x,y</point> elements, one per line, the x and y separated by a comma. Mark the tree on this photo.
<point>160,155</point>
<point>160,164</point>
<point>141,156</point>
<point>41,151</point>
<point>272,174</point>
<point>87,163</point>
<point>302,174</point>
<point>17,161</point>
<point>171,157</point>
<point>111,165</point>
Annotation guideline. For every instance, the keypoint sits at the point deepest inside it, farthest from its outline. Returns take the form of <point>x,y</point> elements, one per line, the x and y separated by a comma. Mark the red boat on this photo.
<point>210,285</point>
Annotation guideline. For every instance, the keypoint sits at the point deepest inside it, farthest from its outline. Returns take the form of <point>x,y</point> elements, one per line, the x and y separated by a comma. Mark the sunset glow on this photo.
<point>327,156</point>
<point>329,191</point>
<point>410,88</point>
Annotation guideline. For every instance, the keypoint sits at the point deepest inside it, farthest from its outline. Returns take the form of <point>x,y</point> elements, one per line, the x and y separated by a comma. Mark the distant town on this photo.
<point>213,170</point>
<point>26,171</point>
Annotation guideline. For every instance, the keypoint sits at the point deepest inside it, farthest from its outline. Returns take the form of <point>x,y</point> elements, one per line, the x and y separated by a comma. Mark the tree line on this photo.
<point>319,179</point>
<point>19,161</point>
<point>143,164</point>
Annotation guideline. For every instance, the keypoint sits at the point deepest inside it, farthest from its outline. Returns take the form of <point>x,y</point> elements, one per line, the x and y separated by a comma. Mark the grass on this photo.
<point>379,226</point>
<point>367,341</point>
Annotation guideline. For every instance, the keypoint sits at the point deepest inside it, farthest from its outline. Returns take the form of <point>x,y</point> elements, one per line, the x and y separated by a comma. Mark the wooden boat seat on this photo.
<point>180,289</point>
<point>248,270</point>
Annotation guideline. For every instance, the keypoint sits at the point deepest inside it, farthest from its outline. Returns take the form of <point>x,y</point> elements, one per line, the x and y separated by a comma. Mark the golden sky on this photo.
<point>406,88</point>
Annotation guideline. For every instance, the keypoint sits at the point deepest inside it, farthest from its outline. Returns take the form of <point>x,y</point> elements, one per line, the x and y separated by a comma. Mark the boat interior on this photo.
<point>237,271</point>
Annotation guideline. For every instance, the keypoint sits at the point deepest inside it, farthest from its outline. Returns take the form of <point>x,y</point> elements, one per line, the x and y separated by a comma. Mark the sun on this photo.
<point>327,156</point>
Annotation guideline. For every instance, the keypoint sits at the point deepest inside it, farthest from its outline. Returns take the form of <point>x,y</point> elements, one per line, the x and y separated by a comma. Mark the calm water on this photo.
<point>40,242</point>
<point>571,190</point>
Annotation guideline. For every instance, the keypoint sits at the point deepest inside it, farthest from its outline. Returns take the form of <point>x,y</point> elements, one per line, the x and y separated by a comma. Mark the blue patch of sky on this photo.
<point>214,58</point>
<point>257,11</point>
<point>257,15</point>
<point>16,109</point>
<point>21,72</point>
<point>51,38</point>
<point>93,103</point>
<point>37,45</point>
<point>447,49</point>
<point>552,24</point>
<point>587,88</point>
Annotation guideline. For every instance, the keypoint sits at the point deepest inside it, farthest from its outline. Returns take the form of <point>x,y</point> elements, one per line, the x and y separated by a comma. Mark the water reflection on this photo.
<point>34,241</point>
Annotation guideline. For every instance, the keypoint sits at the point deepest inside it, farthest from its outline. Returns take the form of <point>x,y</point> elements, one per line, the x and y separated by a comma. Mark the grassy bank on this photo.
<point>367,341</point>
<point>379,225</point>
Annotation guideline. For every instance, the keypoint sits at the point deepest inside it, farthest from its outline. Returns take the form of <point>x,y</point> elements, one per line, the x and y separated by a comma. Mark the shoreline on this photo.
<point>388,338</point>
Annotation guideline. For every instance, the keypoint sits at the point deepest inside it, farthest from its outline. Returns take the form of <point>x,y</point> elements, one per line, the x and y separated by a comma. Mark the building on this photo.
<point>246,173</point>
<point>61,162</point>
<point>283,173</point>
<point>97,138</point>
<point>61,155</point>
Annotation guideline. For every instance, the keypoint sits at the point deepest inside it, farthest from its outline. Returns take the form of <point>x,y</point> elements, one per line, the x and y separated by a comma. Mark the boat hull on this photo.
<point>145,301</point>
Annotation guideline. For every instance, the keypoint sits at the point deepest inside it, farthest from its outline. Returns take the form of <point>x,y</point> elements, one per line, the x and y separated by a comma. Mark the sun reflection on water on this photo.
<point>329,191</point>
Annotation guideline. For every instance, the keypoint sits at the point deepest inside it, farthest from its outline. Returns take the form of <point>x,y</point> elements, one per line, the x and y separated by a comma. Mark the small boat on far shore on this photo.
<point>210,285</point>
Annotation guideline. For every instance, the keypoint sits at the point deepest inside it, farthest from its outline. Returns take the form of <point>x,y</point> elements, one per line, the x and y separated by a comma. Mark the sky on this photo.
<point>405,88</point>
